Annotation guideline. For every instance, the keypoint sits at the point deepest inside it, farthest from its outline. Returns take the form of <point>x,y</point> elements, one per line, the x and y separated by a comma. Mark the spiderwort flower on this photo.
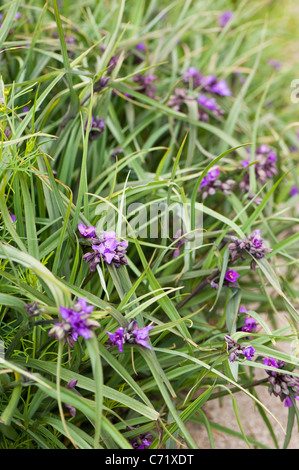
<point>96,129</point>
<point>237,351</point>
<point>75,322</point>
<point>209,104</point>
<point>87,232</point>
<point>140,334</point>
<point>106,248</point>
<point>224,18</point>
<point>33,309</point>
<point>231,275</point>
<point>253,245</point>
<point>249,352</point>
<point>294,191</point>
<point>281,384</point>
<point>250,324</point>
<point>145,83</point>
<point>132,334</point>
<point>71,384</point>
<point>117,338</point>
<point>143,441</point>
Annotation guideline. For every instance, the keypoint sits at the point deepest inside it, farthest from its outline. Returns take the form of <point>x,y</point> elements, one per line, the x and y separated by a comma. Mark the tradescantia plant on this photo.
<point>149,202</point>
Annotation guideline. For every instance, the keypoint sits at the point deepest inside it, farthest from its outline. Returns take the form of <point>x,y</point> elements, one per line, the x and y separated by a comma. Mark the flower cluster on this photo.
<point>250,325</point>
<point>210,183</point>
<point>75,322</point>
<point>265,167</point>
<point>237,351</point>
<point>105,247</point>
<point>208,83</point>
<point>253,245</point>
<point>143,441</point>
<point>132,334</point>
<point>96,129</point>
<point>145,83</point>
<point>281,384</point>
<point>206,103</point>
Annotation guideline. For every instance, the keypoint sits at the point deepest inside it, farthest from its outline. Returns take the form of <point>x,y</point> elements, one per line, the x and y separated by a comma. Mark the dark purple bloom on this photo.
<point>294,191</point>
<point>106,248</point>
<point>221,88</point>
<point>71,384</point>
<point>145,83</point>
<point>265,166</point>
<point>140,46</point>
<point>236,351</point>
<point>209,104</point>
<point>224,18</point>
<point>97,127</point>
<point>250,324</point>
<point>242,309</point>
<point>210,183</point>
<point>141,335</point>
<point>276,64</point>
<point>253,244</point>
<point>33,309</point>
<point>249,352</point>
<point>88,232</point>
<point>75,322</point>
<point>179,98</point>
<point>231,275</point>
<point>100,84</point>
<point>117,338</point>
<point>132,334</point>
<point>143,441</point>
<point>281,384</point>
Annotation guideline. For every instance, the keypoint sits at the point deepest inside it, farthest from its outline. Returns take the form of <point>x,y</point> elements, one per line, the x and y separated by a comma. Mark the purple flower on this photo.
<point>294,191</point>
<point>96,129</point>
<point>143,441</point>
<point>276,64</point>
<point>224,18</point>
<point>281,384</point>
<point>209,104</point>
<point>249,352</point>
<point>140,46</point>
<point>242,309</point>
<point>33,309</point>
<point>253,245</point>
<point>211,176</point>
<point>236,350</point>
<point>221,88</point>
<point>145,84</point>
<point>141,335</point>
<point>75,322</point>
<point>265,168</point>
<point>250,324</point>
<point>88,232</point>
<point>231,275</point>
<point>71,384</point>
<point>106,248</point>
<point>132,334</point>
<point>117,338</point>
<point>179,243</point>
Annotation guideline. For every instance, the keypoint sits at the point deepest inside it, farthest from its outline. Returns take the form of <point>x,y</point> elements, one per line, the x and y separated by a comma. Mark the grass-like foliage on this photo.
<point>148,189</point>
